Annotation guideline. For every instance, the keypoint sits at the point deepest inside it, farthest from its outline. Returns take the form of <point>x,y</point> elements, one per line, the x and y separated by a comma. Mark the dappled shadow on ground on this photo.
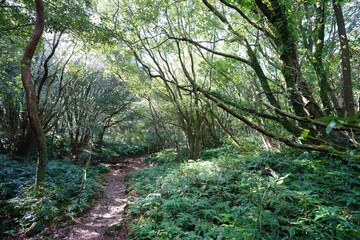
<point>108,210</point>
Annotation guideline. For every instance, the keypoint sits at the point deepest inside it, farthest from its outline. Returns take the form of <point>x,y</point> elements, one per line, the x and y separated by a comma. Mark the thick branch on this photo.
<point>254,126</point>
<point>308,120</point>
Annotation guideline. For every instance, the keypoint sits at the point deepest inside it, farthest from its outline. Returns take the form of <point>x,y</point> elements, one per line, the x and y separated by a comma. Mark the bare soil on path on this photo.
<point>109,208</point>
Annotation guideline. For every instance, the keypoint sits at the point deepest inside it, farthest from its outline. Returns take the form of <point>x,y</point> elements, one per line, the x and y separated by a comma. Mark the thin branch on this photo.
<point>18,26</point>
<point>267,33</point>
<point>211,50</point>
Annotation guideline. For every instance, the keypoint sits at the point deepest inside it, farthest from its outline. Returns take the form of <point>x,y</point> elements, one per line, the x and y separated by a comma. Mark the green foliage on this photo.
<point>132,150</point>
<point>231,196</point>
<point>118,149</point>
<point>350,122</point>
<point>21,209</point>
<point>167,156</point>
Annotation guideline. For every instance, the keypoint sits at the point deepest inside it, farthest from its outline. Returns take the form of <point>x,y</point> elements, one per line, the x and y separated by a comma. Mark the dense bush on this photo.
<point>231,196</point>
<point>110,150</point>
<point>20,209</point>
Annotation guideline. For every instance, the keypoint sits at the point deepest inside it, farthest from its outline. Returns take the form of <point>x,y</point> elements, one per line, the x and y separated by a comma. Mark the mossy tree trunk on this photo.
<point>348,94</point>
<point>31,98</point>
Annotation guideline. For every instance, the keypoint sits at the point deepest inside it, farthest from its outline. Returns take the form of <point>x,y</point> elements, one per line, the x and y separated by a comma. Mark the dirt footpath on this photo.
<point>109,209</point>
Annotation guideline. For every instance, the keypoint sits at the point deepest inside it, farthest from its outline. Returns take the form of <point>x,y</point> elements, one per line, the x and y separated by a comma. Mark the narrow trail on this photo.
<point>109,208</point>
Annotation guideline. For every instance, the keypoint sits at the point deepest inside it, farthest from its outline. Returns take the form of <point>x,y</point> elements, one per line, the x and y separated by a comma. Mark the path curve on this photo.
<point>108,210</point>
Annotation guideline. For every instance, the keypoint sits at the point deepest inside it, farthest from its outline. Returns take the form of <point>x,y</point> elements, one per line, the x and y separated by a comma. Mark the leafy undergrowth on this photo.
<point>21,210</point>
<point>231,196</point>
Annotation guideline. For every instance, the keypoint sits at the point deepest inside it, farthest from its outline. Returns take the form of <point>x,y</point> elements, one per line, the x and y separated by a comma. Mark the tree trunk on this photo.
<point>100,138</point>
<point>195,146</point>
<point>31,99</point>
<point>317,61</point>
<point>74,142</point>
<point>300,93</point>
<point>349,104</point>
<point>289,126</point>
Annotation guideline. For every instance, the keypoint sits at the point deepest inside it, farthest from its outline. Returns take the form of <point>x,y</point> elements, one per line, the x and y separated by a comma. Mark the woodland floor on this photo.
<point>109,208</point>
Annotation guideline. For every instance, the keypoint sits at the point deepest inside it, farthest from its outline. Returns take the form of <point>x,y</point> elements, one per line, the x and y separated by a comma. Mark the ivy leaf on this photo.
<point>304,133</point>
<point>330,126</point>
<point>292,232</point>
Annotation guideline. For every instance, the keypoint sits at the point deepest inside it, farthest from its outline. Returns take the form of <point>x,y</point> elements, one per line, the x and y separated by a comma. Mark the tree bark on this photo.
<point>349,103</point>
<point>300,93</point>
<point>317,61</point>
<point>31,99</point>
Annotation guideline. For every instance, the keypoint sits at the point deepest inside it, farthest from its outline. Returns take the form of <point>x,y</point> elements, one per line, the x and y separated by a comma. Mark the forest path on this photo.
<point>109,208</point>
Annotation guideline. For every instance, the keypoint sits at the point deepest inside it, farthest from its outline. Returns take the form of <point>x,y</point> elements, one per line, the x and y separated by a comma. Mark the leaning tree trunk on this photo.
<point>31,99</point>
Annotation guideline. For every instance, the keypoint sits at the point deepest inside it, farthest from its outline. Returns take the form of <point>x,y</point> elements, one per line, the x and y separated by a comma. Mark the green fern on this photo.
<point>226,197</point>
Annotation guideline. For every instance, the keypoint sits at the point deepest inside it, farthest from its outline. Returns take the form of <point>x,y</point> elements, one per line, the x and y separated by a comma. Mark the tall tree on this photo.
<point>349,104</point>
<point>287,54</point>
<point>31,98</point>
